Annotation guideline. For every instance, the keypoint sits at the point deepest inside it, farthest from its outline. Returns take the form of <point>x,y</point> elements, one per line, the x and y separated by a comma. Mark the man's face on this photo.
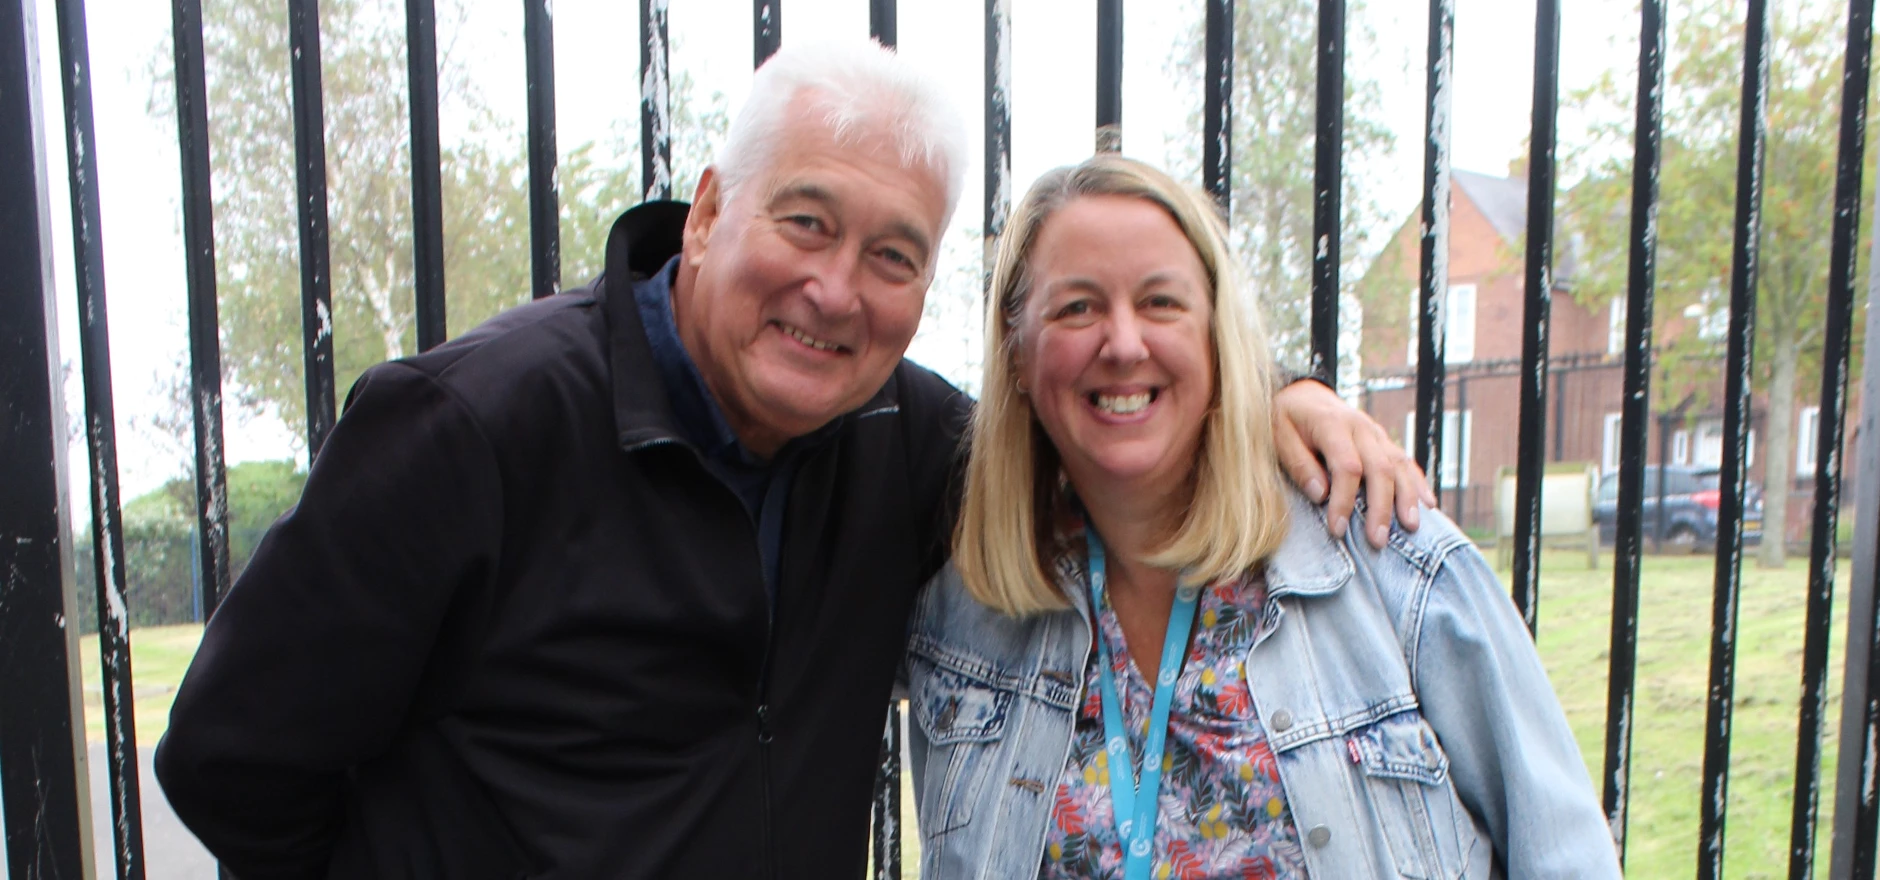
<point>799,292</point>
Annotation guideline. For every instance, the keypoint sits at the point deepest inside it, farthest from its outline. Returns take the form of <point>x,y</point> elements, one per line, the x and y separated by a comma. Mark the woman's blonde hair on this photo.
<point>1237,513</point>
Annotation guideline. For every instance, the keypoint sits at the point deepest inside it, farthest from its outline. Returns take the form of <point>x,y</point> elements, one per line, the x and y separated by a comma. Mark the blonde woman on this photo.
<point>1152,658</point>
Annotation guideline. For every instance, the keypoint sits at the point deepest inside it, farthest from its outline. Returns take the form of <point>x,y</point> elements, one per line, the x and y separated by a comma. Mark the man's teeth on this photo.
<point>809,340</point>
<point>1124,404</point>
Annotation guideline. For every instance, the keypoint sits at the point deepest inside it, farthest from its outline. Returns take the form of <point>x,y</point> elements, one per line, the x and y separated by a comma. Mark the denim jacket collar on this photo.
<point>1309,561</point>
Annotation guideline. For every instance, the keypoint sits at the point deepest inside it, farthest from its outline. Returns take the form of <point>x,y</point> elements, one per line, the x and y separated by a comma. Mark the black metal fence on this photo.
<point>41,769</point>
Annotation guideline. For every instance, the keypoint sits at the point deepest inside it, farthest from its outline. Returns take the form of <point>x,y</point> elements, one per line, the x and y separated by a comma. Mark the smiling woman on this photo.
<point>1167,658</point>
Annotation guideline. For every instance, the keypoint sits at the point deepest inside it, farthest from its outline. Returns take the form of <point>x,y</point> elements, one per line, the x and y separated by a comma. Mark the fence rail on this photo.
<point>42,772</point>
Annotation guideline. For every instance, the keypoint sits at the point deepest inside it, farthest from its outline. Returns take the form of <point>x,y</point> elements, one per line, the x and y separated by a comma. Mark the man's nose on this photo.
<point>834,288</point>
<point>1122,341</point>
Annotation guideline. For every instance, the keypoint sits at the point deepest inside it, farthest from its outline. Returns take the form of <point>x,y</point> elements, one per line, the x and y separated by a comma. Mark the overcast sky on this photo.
<point>1053,108</point>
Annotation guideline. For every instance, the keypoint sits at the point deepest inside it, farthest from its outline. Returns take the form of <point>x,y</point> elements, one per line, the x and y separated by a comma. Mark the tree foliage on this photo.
<point>160,567</point>
<point>1698,184</point>
<point>1275,107</point>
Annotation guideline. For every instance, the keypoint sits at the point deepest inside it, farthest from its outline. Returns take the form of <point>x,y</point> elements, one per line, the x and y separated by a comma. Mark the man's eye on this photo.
<point>899,259</point>
<point>810,222</point>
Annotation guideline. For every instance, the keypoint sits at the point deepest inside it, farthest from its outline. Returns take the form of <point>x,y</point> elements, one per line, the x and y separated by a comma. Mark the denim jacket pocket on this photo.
<point>963,716</point>
<point>1406,778</point>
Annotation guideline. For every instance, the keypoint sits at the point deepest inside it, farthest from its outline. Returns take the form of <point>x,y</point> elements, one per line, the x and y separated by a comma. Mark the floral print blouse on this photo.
<point>1223,812</point>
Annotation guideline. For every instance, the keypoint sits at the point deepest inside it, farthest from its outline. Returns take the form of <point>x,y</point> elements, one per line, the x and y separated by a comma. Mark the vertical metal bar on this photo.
<point>316,283</point>
<point>655,103</point>
<point>1713,803</point>
<point>107,529</point>
<point>427,189</point>
<point>1833,416</point>
<point>1109,76</point>
<point>1635,418</point>
<point>1328,185</point>
<point>888,800</point>
<point>538,36</point>
<point>205,346</point>
<point>882,25</point>
<point>1560,414</point>
<point>766,30</point>
<point>1433,260</point>
<point>1539,285</point>
<point>1857,775</point>
<point>42,729</point>
<point>1463,454</point>
<point>998,128</point>
<point>1217,125</point>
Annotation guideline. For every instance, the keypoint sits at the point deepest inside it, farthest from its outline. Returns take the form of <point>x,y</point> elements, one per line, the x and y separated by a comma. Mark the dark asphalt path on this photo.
<point>170,851</point>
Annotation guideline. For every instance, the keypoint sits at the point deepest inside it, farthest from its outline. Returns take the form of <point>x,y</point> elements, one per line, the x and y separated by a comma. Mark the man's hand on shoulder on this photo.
<point>1327,447</point>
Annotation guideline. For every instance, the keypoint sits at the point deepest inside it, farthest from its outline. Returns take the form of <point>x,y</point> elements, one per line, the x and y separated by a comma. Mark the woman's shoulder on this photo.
<point>952,629</point>
<point>1436,561</point>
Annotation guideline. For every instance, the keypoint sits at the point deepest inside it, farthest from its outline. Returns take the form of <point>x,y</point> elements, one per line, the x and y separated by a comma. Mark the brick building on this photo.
<point>1488,217</point>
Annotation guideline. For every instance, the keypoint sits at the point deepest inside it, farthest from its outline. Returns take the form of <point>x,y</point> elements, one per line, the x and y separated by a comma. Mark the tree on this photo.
<point>1698,191</point>
<point>1275,97</point>
<point>485,182</point>
<point>159,541</point>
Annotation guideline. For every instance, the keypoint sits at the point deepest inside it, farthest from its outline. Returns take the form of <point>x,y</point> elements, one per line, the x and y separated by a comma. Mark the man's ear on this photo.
<point>703,216</point>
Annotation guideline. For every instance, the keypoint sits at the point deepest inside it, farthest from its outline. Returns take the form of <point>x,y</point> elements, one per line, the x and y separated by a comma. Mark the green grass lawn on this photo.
<point>1575,611</point>
<point>159,654</point>
<point>1673,673</point>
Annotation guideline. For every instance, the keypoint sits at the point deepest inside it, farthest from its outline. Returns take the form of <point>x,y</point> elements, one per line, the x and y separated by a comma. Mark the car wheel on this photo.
<point>1682,540</point>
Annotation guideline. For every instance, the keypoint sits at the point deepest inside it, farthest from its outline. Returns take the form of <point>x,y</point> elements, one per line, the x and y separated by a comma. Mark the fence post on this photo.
<point>1857,775</point>
<point>42,728</point>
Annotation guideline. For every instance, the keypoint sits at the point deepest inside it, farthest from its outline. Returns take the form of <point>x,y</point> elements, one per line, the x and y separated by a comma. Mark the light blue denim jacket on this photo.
<point>1416,732</point>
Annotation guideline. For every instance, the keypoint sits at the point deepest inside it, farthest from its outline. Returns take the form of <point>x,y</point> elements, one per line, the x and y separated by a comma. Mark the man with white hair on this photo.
<point>615,584</point>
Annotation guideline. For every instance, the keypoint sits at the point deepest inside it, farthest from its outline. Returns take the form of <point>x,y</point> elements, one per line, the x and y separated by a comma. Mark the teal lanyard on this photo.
<point>1133,802</point>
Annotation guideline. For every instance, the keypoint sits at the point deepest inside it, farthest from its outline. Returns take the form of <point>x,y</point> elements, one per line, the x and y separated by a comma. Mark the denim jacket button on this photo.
<point>1282,720</point>
<point>1319,835</point>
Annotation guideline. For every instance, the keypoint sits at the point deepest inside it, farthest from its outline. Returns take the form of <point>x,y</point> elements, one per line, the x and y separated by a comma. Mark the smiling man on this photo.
<point>615,584</point>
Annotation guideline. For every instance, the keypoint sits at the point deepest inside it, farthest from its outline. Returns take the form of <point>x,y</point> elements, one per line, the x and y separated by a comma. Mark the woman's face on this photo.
<point>1114,347</point>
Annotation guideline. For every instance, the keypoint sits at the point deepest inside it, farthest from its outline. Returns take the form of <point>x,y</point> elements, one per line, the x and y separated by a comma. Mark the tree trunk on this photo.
<point>1779,447</point>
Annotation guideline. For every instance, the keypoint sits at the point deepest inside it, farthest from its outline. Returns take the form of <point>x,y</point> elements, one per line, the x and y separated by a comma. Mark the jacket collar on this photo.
<point>1309,562</point>
<point>640,243</point>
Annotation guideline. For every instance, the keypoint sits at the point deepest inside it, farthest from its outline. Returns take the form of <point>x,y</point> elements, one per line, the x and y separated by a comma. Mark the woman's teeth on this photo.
<point>1123,404</point>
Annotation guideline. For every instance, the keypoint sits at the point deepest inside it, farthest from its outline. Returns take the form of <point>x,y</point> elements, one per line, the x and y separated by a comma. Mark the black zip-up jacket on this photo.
<point>514,628</point>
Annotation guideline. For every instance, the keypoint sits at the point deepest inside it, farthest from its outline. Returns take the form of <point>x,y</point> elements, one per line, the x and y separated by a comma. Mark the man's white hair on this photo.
<point>862,91</point>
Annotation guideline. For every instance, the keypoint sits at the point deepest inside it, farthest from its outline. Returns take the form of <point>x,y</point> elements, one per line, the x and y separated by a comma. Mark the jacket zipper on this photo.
<point>764,733</point>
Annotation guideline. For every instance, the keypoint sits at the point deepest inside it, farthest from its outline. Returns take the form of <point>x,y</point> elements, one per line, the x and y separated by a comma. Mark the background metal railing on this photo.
<point>42,768</point>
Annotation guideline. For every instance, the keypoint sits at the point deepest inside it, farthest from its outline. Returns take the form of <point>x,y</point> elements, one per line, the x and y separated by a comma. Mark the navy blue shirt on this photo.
<point>761,484</point>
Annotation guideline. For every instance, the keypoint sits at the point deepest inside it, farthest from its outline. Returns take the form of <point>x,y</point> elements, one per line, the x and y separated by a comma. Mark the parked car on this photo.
<point>1692,498</point>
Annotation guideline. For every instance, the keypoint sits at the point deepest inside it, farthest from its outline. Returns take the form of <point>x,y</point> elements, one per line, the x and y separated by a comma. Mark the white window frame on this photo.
<point>1681,447</point>
<point>1709,433</point>
<point>1458,324</point>
<point>1456,446</point>
<point>1807,438</point>
<point>1611,439</point>
<point>1615,326</point>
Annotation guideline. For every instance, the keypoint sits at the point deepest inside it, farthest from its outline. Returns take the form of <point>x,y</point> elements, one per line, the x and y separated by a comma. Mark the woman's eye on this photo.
<point>1162,301</point>
<point>1074,308</point>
